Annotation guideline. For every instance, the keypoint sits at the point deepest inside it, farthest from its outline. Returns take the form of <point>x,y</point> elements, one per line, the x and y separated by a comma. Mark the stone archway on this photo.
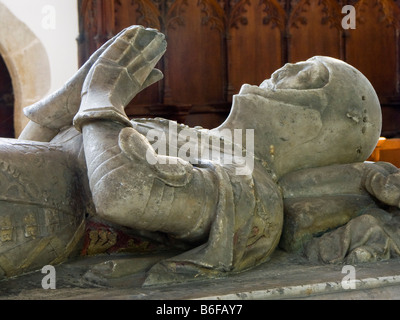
<point>27,63</point>
<point>6,102</point>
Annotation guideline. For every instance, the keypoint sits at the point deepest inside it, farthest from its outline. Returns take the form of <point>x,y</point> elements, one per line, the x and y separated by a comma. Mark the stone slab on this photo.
<point>284,277</point>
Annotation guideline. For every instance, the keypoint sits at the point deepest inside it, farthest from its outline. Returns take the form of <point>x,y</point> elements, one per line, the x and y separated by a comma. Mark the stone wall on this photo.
<point>27,63</point>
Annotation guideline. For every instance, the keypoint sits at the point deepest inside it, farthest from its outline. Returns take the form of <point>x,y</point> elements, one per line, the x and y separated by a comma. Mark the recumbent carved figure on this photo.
<point>307,189</point>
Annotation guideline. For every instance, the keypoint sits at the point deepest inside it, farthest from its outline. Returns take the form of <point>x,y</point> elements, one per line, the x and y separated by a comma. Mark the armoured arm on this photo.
<point>130,184</point>
<point>321,199</point>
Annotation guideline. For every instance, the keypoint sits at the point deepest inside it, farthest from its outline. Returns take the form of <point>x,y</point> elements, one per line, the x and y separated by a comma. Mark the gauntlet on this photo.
<point>122,71</point>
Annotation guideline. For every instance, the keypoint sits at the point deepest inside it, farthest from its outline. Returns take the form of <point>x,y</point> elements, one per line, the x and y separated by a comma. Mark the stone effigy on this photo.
<point>300,182</point>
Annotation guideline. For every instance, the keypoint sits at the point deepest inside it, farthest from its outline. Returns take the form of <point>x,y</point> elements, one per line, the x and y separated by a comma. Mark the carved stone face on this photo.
<point>299,76</point>
<point>314,113</point>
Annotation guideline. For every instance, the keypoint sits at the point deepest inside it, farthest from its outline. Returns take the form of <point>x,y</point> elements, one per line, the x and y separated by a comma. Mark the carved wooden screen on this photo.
<point>214,46</point>
<point>315,29</point>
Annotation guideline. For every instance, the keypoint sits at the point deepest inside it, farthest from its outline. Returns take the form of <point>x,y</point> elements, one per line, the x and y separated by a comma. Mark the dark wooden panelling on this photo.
<point>372,46</point>
<point>315,29</point>
<point>255,49</point>
<point>195,60</point>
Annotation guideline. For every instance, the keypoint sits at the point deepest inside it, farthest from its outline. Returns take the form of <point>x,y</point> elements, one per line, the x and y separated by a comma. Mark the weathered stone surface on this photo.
<point>27,63</point>
<point>283,277</point>
<point>286,166</point>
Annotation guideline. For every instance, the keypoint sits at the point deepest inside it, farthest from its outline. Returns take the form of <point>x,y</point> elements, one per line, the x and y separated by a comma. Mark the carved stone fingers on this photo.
<point>125,68</point>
